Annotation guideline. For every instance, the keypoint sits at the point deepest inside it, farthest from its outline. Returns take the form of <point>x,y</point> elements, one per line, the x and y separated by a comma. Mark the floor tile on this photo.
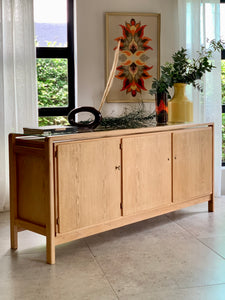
<point>215,292</point>
<point>196,265</point>
<point>75,276</point>
<point>4,217</point>
<point>216,243</point>
<point>155,254</point>
<point>199,222</point>
<point>180,255</point>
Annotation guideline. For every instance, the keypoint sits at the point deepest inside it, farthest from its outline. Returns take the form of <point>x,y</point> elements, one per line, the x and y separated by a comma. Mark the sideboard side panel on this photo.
<point>31,187</point>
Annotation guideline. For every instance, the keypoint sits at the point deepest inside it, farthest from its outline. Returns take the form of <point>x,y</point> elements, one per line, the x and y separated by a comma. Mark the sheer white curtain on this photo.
<point>18,101</point>
<point>199,22</point>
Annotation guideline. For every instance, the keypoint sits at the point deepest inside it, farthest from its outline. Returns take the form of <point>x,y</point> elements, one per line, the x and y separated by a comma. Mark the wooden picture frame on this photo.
<point>139,59</point>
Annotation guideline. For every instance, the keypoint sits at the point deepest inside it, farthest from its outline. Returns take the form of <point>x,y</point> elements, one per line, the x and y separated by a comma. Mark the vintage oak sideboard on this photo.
<point>70,186</point>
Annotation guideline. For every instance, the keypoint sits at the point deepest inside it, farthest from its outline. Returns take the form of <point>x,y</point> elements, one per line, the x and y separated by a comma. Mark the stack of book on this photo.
<point>49,129</point>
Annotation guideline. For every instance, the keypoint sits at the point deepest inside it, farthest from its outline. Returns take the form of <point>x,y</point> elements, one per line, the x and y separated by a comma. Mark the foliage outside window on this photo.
<point>223,114</point>
<point>222,32</point>
<point>52,82</point>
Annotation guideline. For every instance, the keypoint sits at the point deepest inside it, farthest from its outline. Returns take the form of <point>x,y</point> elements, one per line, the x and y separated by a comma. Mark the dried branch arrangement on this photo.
<point>135,118</point>
<point>111,76</point>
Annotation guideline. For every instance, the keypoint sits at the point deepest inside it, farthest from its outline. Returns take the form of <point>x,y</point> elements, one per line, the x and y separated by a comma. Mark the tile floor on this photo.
<point>180,255</point>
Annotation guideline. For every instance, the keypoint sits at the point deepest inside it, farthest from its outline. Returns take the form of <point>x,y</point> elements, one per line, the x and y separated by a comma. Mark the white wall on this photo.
<point>91,44</point>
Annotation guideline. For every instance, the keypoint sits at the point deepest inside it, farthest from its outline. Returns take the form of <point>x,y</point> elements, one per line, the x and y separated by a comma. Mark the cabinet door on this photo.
<point>146,172</point>
<point>88,183</point>
<point>192,164</point>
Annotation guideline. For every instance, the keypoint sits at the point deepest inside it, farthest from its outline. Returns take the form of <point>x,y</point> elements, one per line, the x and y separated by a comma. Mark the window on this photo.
<point>222,29</point>
<point>54,37</point>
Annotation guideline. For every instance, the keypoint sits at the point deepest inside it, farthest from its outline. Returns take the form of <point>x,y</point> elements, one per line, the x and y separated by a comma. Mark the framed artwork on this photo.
<point>139,58</point>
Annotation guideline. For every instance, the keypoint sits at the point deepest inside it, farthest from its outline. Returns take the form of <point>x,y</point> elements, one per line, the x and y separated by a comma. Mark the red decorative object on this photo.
<point>161,108</point>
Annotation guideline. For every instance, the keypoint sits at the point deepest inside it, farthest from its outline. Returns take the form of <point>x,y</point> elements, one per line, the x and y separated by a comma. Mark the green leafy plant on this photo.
<point>161,85</point>
<point>223,80</point>
<point>223,102</point>
<point>47,121</point>
<point>182,69</point>
<point>52,82</point>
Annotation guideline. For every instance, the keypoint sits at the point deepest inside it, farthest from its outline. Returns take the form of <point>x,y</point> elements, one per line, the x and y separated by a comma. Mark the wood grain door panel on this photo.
<point>88,183</point>
<point>146,172</point>
<point>192,164</point>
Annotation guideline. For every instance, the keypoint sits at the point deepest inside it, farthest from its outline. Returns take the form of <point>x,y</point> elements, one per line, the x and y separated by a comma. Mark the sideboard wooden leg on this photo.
<point>211,204</point>
<point>50,251</point>
<point>14,236</point>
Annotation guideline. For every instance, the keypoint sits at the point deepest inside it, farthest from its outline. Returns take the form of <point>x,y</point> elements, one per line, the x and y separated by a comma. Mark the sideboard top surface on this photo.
<point>83,135</point>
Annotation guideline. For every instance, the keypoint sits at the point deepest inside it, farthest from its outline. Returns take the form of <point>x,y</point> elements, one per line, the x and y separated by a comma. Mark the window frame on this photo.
<point>67,53</point>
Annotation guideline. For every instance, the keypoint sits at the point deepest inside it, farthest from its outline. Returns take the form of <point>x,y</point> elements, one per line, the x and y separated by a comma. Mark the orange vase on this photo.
<point>161,108</point>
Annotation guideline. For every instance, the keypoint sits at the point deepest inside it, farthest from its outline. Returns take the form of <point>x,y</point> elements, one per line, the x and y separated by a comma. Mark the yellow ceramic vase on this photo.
<point>180,109</point>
